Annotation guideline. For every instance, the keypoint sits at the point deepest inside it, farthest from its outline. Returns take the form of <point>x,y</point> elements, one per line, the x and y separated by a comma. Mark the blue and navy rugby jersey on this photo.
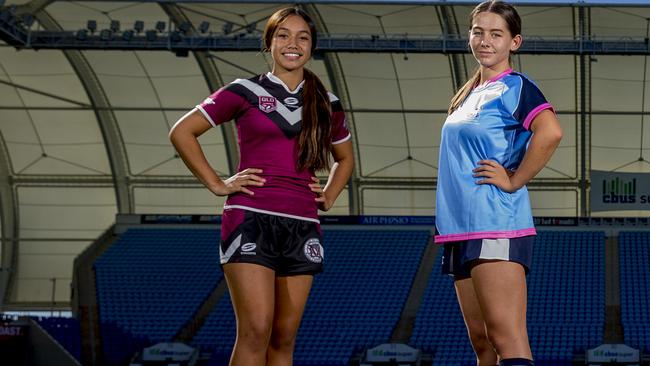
<point>492,123</point>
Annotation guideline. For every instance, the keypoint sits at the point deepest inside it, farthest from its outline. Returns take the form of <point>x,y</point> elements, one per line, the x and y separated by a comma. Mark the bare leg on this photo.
<point>252,292</point>
<point>291,294</point>
<point>473,316</point>
<point>501,291</point>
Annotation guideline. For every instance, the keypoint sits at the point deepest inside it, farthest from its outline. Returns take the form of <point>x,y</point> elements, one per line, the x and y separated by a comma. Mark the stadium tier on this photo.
<point>634,254</point>
<point>150,283</point>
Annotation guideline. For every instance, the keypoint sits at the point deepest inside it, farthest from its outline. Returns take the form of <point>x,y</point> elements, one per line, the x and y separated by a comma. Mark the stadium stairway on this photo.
<point>84,296</point>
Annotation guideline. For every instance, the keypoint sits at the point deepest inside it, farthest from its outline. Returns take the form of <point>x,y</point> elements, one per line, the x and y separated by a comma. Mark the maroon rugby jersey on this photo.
<point>268,118</point>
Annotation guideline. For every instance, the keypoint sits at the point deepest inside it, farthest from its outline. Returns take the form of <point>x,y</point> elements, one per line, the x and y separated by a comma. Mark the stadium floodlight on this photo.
<point>115,26</point>
<point>28,20</point>
<point>204,26</point>
<point>82,34</point>
<point>105,34</point>
<point>160,26</point>
<point>185,27</point>
<point>138,26</point>
<point>91,25</point>
<point>227,28</point>
<point>151,35</point>
<point>127,35</point>
<point>5,15</point>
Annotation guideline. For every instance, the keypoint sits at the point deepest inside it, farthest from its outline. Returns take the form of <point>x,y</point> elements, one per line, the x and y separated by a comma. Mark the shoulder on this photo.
<point>520,81</point>
<point>335,102</point>
<point>239,83</point>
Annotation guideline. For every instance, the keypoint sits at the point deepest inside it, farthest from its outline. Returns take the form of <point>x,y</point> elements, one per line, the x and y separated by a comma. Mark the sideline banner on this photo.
<point>615,191</point>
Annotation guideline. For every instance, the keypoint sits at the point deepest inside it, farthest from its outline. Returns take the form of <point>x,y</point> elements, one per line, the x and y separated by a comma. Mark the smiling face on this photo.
<point>291,45</point>
<point>491,41</point>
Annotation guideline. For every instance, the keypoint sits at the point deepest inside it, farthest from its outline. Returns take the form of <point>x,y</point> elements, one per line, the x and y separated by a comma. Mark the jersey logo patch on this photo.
<point>267,104</point>
<point>313,250</point>
<point>291,101</point>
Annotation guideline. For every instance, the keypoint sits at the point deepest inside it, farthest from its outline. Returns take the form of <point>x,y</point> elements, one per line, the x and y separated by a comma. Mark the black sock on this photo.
<point>516,362</point>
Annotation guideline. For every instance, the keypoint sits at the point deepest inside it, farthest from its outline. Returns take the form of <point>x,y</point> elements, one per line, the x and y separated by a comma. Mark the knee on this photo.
<point>283,337</point>
<point>254,335</point>
<point>481,343</point>
<point>502,340</point>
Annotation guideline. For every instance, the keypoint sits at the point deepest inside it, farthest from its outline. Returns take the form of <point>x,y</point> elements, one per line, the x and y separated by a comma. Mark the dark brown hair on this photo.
<point>315,140</point>
<point>510,15</point>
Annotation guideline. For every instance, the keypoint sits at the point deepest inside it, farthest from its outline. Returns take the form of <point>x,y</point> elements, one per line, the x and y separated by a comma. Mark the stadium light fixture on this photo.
<point>5,15</point>
<point>138,26</point>
<point>204,26</point>
<point>82,34</point>
<point>115,26</point>
<point>160,26</point>
<point>105,34</point>
<point>28,20</point>
<point>127,35</point>
<point>91,25</point>
<point>227,28</point>
<point>185,27</point>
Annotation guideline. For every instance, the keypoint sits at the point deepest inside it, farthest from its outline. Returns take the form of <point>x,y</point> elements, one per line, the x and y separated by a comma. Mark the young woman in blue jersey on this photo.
<point>499,133</point>
<point>288,125</point>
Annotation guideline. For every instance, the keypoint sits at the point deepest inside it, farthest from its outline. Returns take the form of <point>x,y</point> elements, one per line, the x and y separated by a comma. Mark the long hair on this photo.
<point>510,15</point>
<point>315,139</point>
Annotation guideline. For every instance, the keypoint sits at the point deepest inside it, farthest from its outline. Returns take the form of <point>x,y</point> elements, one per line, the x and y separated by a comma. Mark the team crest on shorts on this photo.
<point>314,251</point>
<point>267,104</point>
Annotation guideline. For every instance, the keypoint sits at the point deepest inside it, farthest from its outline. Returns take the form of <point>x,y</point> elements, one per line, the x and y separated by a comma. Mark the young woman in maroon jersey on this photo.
<point>288,125</point>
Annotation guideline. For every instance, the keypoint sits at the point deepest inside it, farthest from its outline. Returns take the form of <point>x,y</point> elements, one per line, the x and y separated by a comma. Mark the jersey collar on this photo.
<point>277,80</point>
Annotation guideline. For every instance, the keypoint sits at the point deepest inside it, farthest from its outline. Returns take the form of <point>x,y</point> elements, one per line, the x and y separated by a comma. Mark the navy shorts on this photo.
<point>286,245</point>
<point>459,257</point>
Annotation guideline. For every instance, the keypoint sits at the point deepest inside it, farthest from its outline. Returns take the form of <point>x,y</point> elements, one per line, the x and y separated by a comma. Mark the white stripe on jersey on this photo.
<point>206,115</point>
<point>291,117</point>
<point>225,257</point>
<point>225,207</point>
<point>346,138</point>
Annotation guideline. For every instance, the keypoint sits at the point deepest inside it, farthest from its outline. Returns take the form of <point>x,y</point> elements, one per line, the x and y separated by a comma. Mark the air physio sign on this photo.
<point>614,191</point>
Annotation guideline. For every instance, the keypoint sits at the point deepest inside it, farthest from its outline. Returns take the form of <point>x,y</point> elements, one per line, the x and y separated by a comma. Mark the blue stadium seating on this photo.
<point>566,303</point>
<point>634,254</point>
<point>150,284</point>
<point>66,331</point>
<point>354,304</point>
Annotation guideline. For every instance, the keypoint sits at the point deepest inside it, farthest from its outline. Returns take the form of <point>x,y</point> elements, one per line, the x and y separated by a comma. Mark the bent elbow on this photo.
<point>557,135</point>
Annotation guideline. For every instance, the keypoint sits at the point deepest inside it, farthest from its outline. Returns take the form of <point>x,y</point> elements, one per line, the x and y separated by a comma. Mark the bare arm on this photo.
<point>547,134</point>
<point>338,177</point>
<point>184,136</point>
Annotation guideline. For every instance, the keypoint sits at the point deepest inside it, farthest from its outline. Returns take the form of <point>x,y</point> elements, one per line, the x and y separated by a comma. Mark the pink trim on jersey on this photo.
<point>531,116</point>
<point>439,239</point>
<point>500,75</point>
<point>206,115</point>
<point>346,138</point>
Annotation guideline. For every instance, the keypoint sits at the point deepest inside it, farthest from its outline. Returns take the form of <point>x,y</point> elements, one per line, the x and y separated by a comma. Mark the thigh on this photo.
<point>500,288</point>
<point>470,307</point>
<point>252,291</point>
<point>291,293</point>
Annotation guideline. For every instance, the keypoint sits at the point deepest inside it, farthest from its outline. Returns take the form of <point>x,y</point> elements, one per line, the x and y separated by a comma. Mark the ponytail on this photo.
<point>463,92</point>
<point>315,139</point>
